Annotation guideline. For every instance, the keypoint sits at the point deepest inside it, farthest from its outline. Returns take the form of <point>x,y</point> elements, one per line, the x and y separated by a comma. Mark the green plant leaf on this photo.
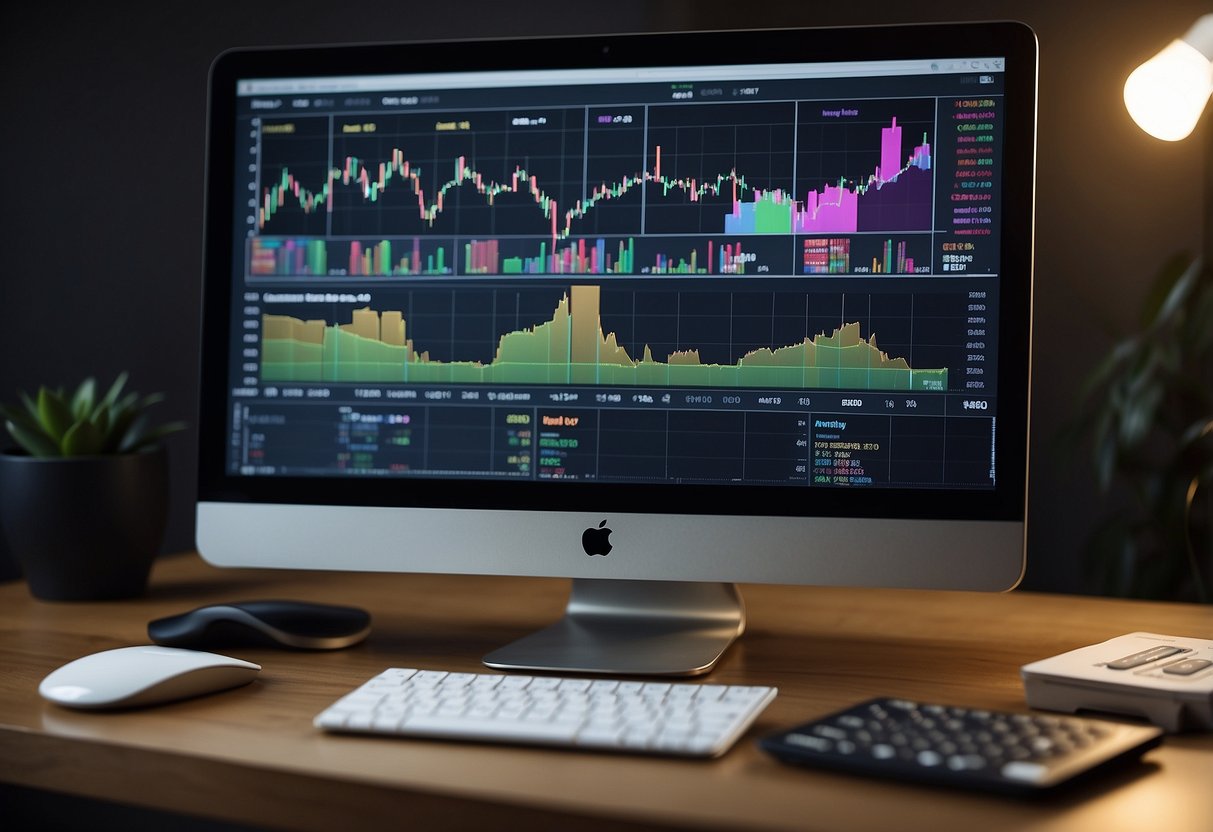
<point>121,418</point>
<point>1159,302</point>
<point>55,425</point>
<point>134,435</point>
<point>151,399</point>
<point>100,420</point>
<point>1111,365</point>
<point>53,414</point>
<point>167,429</point>
<point>1200,316</point>
<point>127,404</point>
<point>21,418</point>
<point>111,396</point>
<point>34,442</point>
<point>81,439</point>
<point>1175,300</point>
<point>30,407</point>
<point>141,435</point>
<point>1138,416</point>
<point>82,401</point>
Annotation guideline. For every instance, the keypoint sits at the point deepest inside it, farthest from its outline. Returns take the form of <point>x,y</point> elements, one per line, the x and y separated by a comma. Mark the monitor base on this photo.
<point>641,628</point>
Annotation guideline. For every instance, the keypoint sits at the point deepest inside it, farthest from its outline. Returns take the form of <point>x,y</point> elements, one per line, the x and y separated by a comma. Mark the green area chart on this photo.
<point>571,348</point>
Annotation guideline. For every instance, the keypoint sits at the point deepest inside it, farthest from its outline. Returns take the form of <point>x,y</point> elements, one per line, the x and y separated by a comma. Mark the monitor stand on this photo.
<point>642,628</point>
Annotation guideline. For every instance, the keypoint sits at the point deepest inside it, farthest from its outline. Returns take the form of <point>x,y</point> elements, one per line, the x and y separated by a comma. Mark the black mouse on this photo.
<point>297,625</point>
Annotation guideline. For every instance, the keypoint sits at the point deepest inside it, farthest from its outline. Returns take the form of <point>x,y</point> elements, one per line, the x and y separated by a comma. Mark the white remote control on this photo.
<point>1165,679</point>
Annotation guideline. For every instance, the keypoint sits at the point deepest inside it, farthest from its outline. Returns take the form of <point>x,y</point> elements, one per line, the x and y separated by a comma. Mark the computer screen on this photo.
<point>699,307</point>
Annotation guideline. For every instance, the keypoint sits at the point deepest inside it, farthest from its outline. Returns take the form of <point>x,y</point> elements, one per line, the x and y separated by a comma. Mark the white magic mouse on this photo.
<point>135,676</point>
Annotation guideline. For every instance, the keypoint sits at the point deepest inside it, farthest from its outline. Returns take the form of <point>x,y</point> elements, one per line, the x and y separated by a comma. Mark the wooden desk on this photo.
<point>251,755</point>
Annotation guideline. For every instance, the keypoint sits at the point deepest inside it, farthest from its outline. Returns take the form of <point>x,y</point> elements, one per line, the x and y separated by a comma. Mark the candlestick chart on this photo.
<point>896,193</point>
<point>570,344</point>
<point>572,174</point>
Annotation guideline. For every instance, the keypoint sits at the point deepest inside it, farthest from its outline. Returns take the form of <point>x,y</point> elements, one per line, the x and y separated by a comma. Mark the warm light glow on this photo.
<point>1167,94</point>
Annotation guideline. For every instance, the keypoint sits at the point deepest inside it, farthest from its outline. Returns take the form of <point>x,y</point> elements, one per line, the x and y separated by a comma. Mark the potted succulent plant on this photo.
<point>84,500</point>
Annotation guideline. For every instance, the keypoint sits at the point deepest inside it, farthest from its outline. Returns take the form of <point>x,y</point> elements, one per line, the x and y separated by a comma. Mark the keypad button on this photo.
<point>1187,667</point>
<point>1143,657</point>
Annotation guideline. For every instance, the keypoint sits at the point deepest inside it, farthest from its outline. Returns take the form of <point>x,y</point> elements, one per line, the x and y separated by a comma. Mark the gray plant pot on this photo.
<point>86,528</point>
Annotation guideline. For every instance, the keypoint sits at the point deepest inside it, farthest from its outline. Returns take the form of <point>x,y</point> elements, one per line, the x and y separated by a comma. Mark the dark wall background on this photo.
<point>103,113</point>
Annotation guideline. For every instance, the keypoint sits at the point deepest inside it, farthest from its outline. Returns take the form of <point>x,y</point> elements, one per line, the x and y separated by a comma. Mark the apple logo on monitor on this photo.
<point>597,541</point>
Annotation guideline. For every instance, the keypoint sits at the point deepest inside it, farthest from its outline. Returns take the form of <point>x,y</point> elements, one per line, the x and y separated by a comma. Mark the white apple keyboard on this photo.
<point>700,720</point>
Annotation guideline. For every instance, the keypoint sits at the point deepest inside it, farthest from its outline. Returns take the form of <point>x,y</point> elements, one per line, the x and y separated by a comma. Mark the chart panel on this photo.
<point>703,281</point>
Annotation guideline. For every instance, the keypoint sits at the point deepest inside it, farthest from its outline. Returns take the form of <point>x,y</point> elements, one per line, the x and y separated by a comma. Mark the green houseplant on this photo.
<point>1147,418</point>
<point>84,498</point>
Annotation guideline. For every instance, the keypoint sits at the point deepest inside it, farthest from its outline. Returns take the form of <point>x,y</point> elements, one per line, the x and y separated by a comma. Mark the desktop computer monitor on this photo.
<point>660,313</point>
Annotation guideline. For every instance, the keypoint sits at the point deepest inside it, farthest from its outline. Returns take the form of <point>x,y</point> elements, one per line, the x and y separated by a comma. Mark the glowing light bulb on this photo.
<point>1167,94</point>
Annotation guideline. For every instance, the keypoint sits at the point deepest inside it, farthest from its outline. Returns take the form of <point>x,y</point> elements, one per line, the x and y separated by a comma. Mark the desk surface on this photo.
<point>251,755</point>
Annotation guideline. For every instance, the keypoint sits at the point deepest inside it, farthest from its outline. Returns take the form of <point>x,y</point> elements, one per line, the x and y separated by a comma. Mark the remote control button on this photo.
<point>929,758</point>
<point>963,762</point>
<point>807,741</point>
<point>1143,657</point>
<point>830,732</point>
<point>1028,772</point>
<point>1187,667</point>
<point>1041,745</point>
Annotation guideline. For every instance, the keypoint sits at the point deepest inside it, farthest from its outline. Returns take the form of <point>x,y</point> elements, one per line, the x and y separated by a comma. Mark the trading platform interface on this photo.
<point>712,274</point>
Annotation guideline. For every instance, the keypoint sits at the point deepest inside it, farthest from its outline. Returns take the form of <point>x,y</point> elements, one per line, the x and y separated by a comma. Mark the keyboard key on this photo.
<point>489,729</point>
